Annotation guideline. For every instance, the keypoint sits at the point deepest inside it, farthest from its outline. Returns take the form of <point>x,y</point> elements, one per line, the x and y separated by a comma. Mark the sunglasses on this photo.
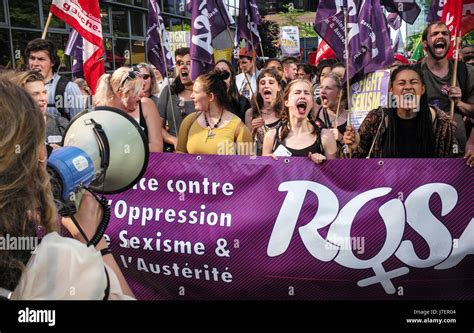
<point>145,76</point>
<point>133,73</point>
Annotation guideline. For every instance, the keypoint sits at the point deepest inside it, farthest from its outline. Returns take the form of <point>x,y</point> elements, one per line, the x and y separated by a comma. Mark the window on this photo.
<point>168,6</point>
<point>104,13</point>
<point>2,11</point>
<point>120,22</point>
<point>109,61</point>
<point>137,23</point>
<point>24,13</point>
<point>20,39</point>
<point>5,56</point>
<point>60,41</point>
<point>122,52</point>
<point>138,51</point>
<point>138,3</point>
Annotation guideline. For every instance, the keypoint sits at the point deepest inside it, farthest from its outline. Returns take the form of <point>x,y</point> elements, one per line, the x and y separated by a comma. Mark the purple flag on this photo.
<point>154,42</point>
<point>394,20</point>
<point>369,40</point>
<point>382,54</point>
<point>74,50</point>
<point>247,24</point>
<point>407,9</point>
<point>209,18</point>
<point>436,11</point>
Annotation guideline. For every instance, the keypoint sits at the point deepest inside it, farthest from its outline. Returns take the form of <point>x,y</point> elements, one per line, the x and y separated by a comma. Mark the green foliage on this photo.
<point>412,40</point>
<point>269,33</point>
<point>291,16</point>
<point>187,27</point>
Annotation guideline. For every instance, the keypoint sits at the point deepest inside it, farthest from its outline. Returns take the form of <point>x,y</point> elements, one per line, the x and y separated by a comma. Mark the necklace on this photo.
<point>211,134</point>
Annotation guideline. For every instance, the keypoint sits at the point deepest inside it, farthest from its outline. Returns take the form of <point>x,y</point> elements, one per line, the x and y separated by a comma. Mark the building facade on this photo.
<point>270,7</point>
<point>124,24</point>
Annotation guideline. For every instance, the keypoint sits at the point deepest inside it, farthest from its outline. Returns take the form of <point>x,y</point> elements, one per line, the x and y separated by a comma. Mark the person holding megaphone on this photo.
<point>59,267</point>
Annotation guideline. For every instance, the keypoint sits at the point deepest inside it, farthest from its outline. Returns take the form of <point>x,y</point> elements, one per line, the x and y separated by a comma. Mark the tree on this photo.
<point>270,34</point>
<point>412,40</point>
<point>291,15</point>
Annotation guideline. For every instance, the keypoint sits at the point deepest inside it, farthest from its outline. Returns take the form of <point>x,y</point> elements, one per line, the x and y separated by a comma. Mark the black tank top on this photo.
<point>142,121</point>
<point>341,128</point>
<point>316,147</point>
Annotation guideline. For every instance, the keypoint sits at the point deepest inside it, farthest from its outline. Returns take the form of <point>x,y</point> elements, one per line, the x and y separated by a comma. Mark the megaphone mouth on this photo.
<point>111,166</point>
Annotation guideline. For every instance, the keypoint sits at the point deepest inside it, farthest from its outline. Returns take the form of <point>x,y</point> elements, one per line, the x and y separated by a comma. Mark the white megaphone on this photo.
<point>105,150</point>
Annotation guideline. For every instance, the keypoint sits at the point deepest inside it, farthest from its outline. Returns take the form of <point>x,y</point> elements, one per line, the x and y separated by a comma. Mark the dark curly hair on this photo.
<point>257,98</point>
<point>39,44</point>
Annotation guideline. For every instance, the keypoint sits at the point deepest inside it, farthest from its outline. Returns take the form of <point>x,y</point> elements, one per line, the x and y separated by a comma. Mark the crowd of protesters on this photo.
<point>260,99</point>
<point>285,108</point>
<point>256,96</point>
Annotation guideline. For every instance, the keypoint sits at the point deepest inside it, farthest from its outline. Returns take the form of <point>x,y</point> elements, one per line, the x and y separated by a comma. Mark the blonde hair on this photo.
<point>26,200</point>
<point>83,85</point>
<point>110,84</point>
<point>22,78</point>
<point>153,80</point>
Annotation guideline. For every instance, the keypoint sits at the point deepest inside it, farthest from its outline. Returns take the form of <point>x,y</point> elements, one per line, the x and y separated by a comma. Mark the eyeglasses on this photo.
<point>145,76</point>
<point>133,73</point>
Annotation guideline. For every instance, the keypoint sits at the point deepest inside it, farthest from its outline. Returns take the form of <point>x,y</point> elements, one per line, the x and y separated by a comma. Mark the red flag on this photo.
<point>467,20</point>
<point>452,12</point>
<point>324,52</point>
<point>84,17</point>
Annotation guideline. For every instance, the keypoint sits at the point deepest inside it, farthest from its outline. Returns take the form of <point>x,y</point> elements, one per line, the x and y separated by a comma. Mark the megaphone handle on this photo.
<point>102,225</point>
<point>104,222</point>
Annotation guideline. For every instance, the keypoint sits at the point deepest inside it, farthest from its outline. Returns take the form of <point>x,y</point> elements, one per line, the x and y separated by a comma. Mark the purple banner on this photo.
<point>157,40</point>
<point>209,18</point>
<point>436,11</point>
<point>226,227</point>
<point>368,35</point>
<point>407,9</point>
<point>247,24</point>
<point>74,49</point>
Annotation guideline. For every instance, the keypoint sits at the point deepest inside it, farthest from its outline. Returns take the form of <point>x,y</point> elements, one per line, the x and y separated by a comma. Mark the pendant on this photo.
<point>210,134</point>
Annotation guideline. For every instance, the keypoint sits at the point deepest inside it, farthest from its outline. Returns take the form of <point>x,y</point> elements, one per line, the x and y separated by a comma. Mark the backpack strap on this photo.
<point>59,91</point>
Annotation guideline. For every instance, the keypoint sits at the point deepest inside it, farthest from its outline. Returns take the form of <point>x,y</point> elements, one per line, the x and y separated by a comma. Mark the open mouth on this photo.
<point>184,73</point>
<point>324,98</point>
<point>267,92</point>
<point>301,106</point>
<point>440,45</point>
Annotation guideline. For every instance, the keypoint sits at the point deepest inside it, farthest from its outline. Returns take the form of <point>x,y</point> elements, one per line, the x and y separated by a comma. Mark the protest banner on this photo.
<point>227,227</point>
<point>290,41</point>
<point>368,94</point>
<point>178,39</point>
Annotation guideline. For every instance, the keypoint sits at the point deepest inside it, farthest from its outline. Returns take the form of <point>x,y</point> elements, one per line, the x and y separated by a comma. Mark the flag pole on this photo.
<point>255,67</point>
<point>46,26</point>
<point>347,75</point>
<point>169,83</point>
<point>338,109</point>
<point>455,72</point>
